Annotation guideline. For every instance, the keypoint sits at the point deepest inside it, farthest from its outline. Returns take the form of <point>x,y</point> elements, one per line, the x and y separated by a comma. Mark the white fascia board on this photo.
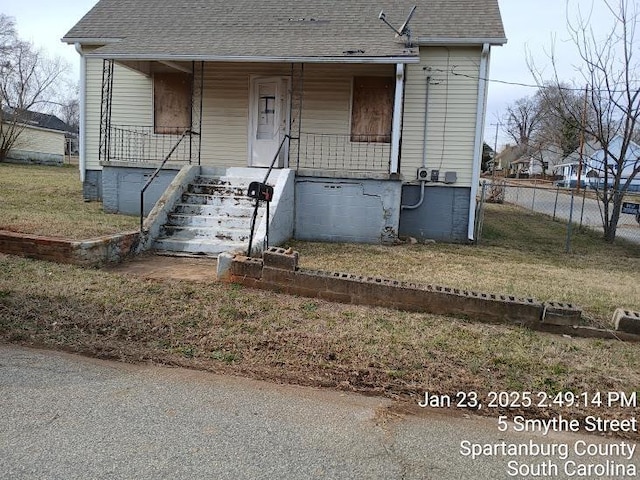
<point>248,59</point>
<point>459,42</point>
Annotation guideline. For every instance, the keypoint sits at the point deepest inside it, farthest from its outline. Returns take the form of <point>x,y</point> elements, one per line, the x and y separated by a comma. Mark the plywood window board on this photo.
<point>372,109</point>
<point>171,102</point>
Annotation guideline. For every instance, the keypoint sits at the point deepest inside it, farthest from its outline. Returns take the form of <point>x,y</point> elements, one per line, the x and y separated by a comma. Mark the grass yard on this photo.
<point>48,201</point>
<point>522,254</point>
<point>233,330</point>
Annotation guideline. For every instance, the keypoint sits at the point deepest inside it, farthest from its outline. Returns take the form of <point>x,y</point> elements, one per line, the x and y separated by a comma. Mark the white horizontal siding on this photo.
<point>326,104</point>
<point>40,141</point>
<point>451,112</point>
<point>225,105</point>
<point>132,104</point>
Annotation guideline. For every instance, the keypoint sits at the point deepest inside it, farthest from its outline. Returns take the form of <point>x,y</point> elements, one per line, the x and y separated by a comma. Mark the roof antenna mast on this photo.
<point>404,29</point>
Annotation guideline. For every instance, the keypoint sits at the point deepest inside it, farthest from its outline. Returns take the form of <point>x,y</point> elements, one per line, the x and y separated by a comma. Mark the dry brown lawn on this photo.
<point>230,329</point>
<point>522,254</point>
<point>42,200</point>
<point>233,330</point>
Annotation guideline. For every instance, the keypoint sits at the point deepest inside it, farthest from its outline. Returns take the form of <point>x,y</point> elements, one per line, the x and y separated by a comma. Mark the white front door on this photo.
<point>268,120</point>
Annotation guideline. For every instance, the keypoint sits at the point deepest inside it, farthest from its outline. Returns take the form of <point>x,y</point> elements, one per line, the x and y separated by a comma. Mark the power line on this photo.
<point>521,84</point>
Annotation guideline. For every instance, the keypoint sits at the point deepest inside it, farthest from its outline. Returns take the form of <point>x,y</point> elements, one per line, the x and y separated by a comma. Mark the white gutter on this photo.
<point>254,59</point>
<point>82,163</point>
<point>458,42</point>
<point>477,156</point>
<point>397,120</point>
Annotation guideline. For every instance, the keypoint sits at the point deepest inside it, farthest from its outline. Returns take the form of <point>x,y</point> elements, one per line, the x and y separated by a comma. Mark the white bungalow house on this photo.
<point>372,113</point>
<point>592,171</point>
<point>543,160</point>
<point>39,137</point>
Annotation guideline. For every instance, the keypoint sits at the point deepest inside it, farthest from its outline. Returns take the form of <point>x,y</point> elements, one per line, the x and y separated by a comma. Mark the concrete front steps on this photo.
<point>211,217</point>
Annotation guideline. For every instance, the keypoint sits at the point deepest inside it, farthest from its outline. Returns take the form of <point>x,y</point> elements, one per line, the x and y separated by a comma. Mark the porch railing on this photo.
<point>171,152</point>
<point>140,144</point>
<point>320,151</point>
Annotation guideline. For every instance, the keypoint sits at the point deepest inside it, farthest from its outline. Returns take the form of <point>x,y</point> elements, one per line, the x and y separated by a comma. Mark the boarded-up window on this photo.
<point>171,102</point>
<point>372,109</point>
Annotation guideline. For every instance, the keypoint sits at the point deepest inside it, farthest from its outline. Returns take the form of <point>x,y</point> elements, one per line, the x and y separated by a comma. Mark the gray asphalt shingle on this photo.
<point>283,28</point>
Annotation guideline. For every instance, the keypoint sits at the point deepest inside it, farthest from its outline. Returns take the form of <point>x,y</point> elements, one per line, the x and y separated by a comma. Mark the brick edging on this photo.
<point>278,270</point>
<point>92,252</point>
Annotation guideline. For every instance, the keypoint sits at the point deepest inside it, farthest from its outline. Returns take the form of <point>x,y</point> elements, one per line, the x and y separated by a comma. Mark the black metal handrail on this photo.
<point>157,171</point>
<point>257,200</point>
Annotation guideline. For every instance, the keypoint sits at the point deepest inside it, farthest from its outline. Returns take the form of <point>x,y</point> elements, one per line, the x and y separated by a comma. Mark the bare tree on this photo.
<point>522,120</point>
<point>558,127</point>
<point>67,103</point>
<point>612,74</point>
<point>28,80</point>
<point>543,125</point>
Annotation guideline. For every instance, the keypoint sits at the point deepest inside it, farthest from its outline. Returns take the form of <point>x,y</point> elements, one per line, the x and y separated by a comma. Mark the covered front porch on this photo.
<point>336,127</point>
<point>330,119</point>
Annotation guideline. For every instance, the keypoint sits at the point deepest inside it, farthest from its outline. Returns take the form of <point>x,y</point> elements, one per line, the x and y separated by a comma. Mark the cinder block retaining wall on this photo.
<point>93,252</point>
<point>278,270</point>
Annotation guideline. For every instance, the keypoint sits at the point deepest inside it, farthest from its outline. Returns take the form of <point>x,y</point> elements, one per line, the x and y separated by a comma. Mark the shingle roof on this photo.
<point>280,28</point>
<point>40,120</point>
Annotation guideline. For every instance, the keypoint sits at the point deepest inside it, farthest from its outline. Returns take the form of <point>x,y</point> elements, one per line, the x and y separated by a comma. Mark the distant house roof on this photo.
<point>588,149</point>
<point>279,29</point>
<point>42,120</point>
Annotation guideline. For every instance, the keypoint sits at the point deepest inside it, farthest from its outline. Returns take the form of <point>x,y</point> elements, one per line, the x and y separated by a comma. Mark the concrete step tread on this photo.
<point>205,234</point>
<point>213,195</point>
<point>208,229</point>
<point>199,246</point>
<point>187,205</point>
<point>229,182</point>
<point>169,253</point>
<point>215,211</point>
<point>214,218</point>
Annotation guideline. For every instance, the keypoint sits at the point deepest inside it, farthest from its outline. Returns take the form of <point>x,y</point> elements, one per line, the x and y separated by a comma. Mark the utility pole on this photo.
<point>495,151</point>
<point>582,127</point>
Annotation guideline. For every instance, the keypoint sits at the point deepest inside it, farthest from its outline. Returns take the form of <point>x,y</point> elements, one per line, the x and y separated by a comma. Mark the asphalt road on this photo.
<point>69,417</point>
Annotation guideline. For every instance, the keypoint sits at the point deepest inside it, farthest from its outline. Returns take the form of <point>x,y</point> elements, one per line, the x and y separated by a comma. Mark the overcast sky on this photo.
<point>531,25</point>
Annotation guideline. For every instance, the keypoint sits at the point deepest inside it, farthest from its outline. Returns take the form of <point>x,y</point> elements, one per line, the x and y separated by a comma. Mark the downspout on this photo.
<point>426,118</point>
<point>397,120</point>
<point>424,145</point>
<point>477,156</point>
<point>82,163</point>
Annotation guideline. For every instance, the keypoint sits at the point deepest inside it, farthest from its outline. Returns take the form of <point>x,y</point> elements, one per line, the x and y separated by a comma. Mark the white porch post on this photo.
<point>481,110</point>
<point>82,161</point>
<point>397,120</point>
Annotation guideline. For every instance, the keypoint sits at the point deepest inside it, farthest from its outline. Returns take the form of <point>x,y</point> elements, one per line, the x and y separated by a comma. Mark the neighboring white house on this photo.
<point>593,165</point>
<point>387,129</point>
<point>544,160</point>
<point>41,139</point>
<point>570,166</point>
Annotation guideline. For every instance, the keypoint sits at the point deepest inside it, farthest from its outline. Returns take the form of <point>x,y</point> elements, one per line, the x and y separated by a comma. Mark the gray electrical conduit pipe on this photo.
<point>424,150</point>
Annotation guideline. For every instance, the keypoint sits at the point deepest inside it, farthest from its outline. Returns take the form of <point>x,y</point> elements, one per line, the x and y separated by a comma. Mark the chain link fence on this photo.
<point>576,209</point>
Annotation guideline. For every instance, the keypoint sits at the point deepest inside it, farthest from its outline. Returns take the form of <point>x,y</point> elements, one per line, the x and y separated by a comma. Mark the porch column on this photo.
<point>396,129</point>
